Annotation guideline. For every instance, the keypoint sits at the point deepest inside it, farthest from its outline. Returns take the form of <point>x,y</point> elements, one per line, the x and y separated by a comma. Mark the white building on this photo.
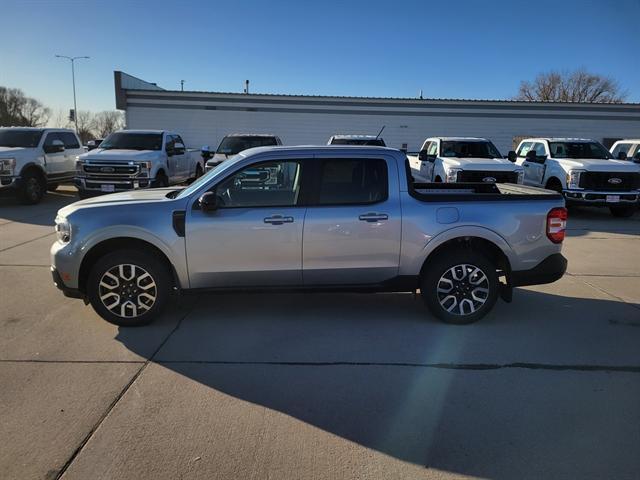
<point>203,118</point>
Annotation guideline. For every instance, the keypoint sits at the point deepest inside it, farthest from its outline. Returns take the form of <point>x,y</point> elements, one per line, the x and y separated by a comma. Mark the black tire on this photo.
<point>438,272</point>
<point>623,212</point>
<point>52,187</point>
<point>132,285</point>
<point>33,188</point>
<point>161,180</point>
<point>555,185</point>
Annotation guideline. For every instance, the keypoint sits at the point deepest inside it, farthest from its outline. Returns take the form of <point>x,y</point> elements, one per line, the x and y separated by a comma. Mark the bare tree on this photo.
<point>86,125</point>
<point>108,122</point>
<point>578,86</point>
<point>60,119</point>
<point>16,109</point>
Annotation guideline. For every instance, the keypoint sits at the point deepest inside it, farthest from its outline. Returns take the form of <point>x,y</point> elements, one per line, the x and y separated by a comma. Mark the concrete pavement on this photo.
<point>324,385</point>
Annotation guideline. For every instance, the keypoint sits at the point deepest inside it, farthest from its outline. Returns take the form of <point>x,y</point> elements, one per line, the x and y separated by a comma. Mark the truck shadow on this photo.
<point>44,213</point>
<point>508,397</point>
<point>587,220</point>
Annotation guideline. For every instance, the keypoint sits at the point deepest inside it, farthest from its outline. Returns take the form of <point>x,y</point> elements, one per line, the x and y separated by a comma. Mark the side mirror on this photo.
<point>512,156</point>
<point>531,156</point>
<point>422,156</point>
<point>622,155</point>
<point>636,158</point>
<point>56,147</point>
<point>208,202</point>
<point>178,148</point>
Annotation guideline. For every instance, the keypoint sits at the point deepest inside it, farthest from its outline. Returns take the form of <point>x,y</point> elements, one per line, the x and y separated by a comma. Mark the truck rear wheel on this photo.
<point>32,189</point>
<point>129,287</point>
<point>460,286</point>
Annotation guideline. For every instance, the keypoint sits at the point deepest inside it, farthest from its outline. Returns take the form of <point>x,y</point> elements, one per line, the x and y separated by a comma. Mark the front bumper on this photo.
<point>599,198</point>
<point>66,291</point>
<point>9,183</point>
<point>549,270</point>
<point>94,185</point>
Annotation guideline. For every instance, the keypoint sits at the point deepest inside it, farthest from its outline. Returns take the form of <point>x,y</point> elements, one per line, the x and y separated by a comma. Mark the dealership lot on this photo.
<point>323,385</point>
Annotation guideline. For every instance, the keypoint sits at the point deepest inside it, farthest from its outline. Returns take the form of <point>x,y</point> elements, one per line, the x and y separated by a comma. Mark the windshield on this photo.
<point>207,176</point>
<point>375,142</point>
<point>132,141</point>
<point>20,138</point>
<point>578,150</point>
<point>235,145</point>
<point>462,149</point>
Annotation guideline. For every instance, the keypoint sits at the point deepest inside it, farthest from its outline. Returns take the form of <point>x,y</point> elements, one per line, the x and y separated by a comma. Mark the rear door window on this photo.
<point>621,148</point>
<point>352,181</point>
<point>69,139</point>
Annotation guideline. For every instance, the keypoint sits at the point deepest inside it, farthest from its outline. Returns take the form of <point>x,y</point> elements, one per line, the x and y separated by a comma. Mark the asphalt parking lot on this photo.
<point>323,385</point>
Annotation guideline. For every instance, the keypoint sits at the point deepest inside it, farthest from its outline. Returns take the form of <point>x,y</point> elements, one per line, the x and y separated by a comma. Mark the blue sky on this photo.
<point>449,49</point>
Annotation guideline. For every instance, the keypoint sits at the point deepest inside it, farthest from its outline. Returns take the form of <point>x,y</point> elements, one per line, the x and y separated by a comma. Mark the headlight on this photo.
<point>7,165</point>
<point>63,229</point>
<point>520,176</point>
<point>145,168</point>
<point>573,179</point>
<point>79,170</point>
<point>452,175</point>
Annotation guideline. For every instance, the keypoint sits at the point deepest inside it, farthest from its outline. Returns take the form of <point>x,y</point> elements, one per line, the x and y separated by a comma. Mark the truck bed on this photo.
<point>472,192</point>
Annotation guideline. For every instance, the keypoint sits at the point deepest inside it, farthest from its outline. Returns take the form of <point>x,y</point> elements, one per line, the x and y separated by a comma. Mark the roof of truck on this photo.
<point>356,137</point>
<point>251,135</point>
<point>459,139</point>
<point>143,131</point>
<point>305,148</point>
<point>557,139</point>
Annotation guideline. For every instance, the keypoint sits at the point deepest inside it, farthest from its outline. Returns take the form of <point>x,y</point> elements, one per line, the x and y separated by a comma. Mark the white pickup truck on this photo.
<point>583,171</point>
<point>34,160</point>
<point>462,159</point>
<point>235,143</point>
<point>132,159</point>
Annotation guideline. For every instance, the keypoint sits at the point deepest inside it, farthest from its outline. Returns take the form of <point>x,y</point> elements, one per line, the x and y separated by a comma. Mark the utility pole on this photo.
<point>182,85</point>
<point>73,79</point>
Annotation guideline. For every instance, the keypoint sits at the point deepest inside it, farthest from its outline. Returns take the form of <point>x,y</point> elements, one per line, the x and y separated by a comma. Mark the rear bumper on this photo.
<point>549,270</point>
<point>66,291</point>
<point>599,198</point>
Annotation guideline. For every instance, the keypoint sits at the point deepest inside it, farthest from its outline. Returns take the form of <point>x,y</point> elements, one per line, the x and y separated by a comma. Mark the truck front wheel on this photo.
<point>460,286</point>
<point>129,287</point>
<point>32,189</point>
<point>623,212</point>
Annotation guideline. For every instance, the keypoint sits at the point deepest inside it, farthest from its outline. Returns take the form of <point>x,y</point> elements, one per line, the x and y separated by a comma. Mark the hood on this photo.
<point>115,155</point>
<point>599,165</point>
<point>219,157</point>
<point>13,151</point>
<point>493,164</point>
<point>128,198</point>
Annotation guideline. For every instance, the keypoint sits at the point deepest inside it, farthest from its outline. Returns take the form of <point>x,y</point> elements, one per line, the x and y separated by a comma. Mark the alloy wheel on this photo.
<point>463,289</point>
<point>127,290</point>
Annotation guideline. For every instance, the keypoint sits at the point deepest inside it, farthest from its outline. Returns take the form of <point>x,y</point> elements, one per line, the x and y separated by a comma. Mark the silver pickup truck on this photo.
<point>310,218</point>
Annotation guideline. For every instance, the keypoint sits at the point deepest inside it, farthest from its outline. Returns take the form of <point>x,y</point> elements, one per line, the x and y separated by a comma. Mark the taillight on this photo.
<point>556,224</point>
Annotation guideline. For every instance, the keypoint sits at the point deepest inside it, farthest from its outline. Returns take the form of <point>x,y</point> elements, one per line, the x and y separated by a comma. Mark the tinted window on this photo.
<point>578,150</point>
<point>267,184</point>
<point>234,145</point>
<point>469,149</point>
<point>133,141</point>
<point>353,181</point>
<point>178,139</point>
<point>370,142</point>
<point>69,139</point>
<point>51,136</point>
<point>524,149</point>
<point>20,138</point>
<point>433,148</point>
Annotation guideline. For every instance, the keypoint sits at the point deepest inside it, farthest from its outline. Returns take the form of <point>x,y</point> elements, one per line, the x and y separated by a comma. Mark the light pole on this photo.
<point>73,78</point>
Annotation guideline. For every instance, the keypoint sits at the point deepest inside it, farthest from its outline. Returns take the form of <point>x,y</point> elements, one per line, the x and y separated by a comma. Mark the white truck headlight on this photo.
<point>79,170</point>
<point>520,176</point>
<point>452,175</point>
<point>573,179</point>
<point>7,165</point>
<point>63,229</point>
<point>145,168</point>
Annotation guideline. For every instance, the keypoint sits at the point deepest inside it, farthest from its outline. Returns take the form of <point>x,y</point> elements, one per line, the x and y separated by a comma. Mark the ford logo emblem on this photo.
<point>107,169</point>
<point>489,180</point>
<point>615,181</point>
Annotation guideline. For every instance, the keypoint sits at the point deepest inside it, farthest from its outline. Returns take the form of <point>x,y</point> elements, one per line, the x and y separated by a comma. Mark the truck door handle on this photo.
<point>278,220</point>
<point>373,217</point>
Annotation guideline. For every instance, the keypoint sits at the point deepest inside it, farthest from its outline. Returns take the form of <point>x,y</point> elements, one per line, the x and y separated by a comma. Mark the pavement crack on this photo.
<point>126,388</point>
<point>445,366</point>
<point>28,241</point>
<point>35,360</point>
